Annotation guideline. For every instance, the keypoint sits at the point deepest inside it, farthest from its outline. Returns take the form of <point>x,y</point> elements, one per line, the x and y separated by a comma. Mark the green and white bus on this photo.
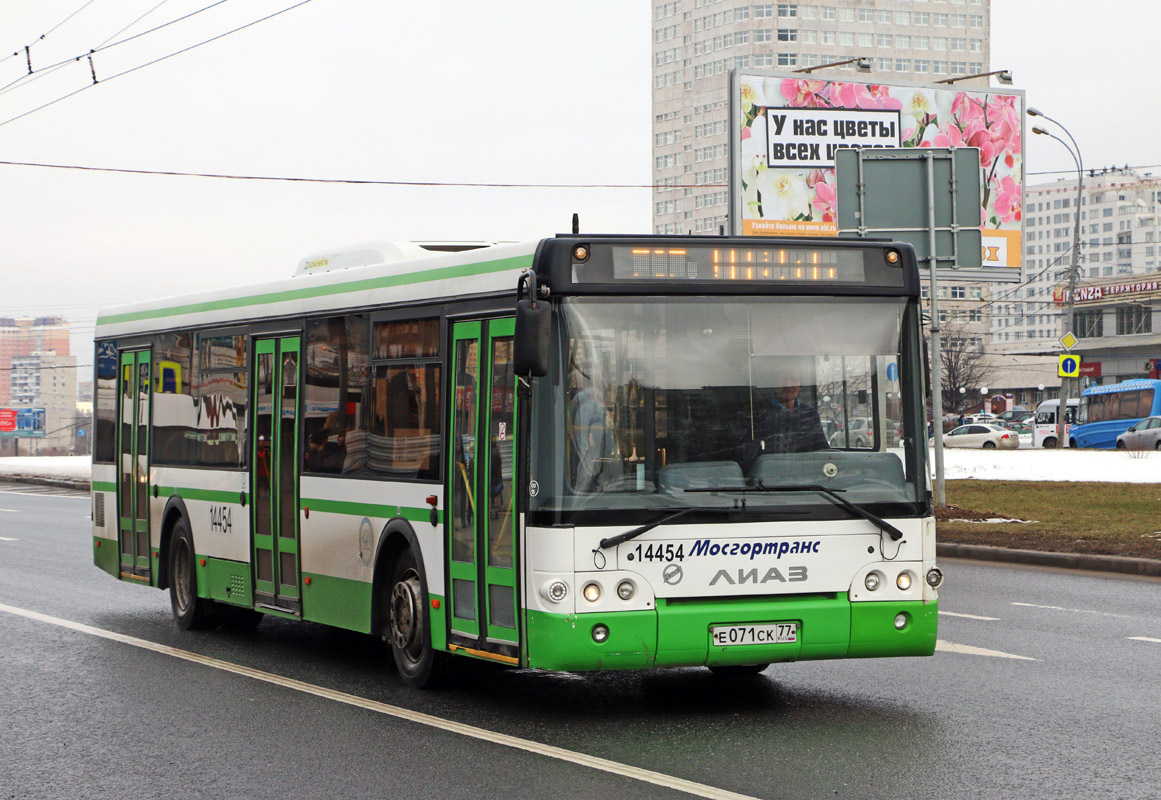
<point>582,453</point>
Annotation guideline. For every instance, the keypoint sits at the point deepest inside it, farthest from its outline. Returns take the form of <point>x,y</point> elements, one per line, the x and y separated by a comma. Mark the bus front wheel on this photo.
<point>1050,443</point>
<point>191,612</point>
<point>409,626</point>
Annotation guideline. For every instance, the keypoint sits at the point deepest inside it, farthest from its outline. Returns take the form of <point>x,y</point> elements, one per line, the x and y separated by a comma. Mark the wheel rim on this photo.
<point>181,575</point>
<point>405,617</point>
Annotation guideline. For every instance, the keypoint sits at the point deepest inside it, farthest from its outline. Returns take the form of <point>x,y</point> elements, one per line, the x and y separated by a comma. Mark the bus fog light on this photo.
<point>901,621</point>
<point>872,581</point>
<point>554,591</point>
<point>600,633</point>
<point>625,590</point>
<point>592,592</point>
<point>934,577</point>
<point>903,581</point>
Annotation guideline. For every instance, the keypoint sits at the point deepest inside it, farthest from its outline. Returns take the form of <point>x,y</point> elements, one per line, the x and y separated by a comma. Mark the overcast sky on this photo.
<point>511,91</point>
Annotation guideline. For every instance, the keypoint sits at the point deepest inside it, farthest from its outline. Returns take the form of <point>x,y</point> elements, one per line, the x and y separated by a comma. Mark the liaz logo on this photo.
<point>751,576</point>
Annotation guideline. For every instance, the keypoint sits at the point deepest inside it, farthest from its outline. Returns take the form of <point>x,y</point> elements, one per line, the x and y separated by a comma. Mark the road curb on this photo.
<point>1129,566</point>
<point>60,483</point>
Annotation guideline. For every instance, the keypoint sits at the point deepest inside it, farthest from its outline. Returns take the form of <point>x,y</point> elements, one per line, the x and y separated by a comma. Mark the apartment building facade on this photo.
<point>696,43</point>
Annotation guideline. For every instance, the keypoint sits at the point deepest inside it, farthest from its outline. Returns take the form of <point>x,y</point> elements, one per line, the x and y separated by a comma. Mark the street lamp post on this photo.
<point>862,64</point>
<point>1069,314</point>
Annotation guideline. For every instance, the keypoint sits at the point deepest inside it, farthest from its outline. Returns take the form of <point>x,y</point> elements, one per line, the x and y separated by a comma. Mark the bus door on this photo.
<point>274,466</point>
<point>133,466</point>
<point>481,523</point>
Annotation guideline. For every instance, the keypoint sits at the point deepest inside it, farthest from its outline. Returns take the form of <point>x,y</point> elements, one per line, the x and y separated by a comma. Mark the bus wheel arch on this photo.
<point>1072,443</point>
<point>175,511</point>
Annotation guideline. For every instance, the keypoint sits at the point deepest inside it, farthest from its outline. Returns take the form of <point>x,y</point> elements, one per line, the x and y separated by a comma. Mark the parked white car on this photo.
<point>988,437</point>
<point>861,434</point>
<point>1145,435</point>
<point>982,419</point>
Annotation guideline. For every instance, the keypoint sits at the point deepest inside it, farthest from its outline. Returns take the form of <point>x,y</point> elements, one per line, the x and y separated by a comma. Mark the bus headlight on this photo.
<point>600,633</point>
<point>903,581</point>
<point>872,581</point>
<point>592,592</point>
<point>625,590</point>
<point>554,591</point>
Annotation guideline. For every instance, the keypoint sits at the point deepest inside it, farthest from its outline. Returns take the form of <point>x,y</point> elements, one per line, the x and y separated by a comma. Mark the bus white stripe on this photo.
<point>581,759</point>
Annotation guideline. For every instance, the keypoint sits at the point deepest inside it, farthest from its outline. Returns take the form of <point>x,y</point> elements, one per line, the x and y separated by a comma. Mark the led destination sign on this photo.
<point>762,264</point>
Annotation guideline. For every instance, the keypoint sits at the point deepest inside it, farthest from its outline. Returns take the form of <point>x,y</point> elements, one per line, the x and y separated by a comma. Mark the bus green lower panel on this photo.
<point>340,602</point>
<point>227,582</point>
<point>565,641</point>
<point>678,633</point>
<point>875,634</point>
<point>684,629</point>
<point>105,555</point>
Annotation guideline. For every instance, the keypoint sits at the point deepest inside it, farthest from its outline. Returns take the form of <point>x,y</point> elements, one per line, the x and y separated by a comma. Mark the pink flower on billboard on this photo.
<point>1008,200</point>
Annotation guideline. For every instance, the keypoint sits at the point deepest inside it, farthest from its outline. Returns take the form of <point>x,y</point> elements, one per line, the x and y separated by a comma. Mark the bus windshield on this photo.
<point>650,398</point>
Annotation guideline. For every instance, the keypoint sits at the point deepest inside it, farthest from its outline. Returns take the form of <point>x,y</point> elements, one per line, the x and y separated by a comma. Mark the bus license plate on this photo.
<point>763,633</point>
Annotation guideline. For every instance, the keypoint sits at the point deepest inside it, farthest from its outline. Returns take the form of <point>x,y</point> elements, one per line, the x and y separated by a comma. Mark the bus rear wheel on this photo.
<point>408,626</point>
<point>1050,444</point>
<point>191,612</point>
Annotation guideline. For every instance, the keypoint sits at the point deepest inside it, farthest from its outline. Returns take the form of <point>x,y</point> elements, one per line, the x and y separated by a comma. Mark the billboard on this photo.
<point>21,422</point>
<point>786,130</point>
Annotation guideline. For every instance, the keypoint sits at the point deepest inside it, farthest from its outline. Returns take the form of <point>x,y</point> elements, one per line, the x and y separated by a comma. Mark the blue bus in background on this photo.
<point>1108,411</point>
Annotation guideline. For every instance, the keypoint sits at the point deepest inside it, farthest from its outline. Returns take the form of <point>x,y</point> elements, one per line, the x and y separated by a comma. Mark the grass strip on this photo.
<point>1119,519</point>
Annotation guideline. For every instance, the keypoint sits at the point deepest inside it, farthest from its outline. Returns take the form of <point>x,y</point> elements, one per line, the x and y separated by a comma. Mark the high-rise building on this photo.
<point>697,42</point>
<point>1120,235</point>
<point>24,336</point>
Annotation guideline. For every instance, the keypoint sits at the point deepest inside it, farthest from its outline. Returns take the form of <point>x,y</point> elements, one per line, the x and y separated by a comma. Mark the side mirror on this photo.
<point>530,356</point>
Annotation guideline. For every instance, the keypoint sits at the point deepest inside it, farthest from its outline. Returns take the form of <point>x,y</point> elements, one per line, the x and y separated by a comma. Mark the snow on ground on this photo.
<point>1009,465</point>
<point>73,468</point>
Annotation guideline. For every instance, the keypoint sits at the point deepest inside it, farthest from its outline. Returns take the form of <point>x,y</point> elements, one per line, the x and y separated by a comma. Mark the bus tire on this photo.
<point>408,626</point>
<point>1050,443</point>
<point>738,670</point>
<point>191,612</point>
<point>1073,445</point>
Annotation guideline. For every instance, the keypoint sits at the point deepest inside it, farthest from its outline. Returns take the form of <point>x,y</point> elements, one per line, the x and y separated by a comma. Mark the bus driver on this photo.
<point>788,425</point>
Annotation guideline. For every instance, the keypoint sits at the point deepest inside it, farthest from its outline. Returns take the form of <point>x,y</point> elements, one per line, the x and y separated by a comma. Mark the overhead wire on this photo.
<point>51,30</point>
<point>24,80</point>
<point>156,60</point>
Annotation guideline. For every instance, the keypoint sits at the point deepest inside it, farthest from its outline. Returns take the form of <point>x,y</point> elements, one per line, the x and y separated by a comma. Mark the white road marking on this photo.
<point>581,759</point>
<point>1075,610</point>
<point>8,539</point>
<point>1145,639</point>
<point>967,649</point>
<point>10,510</point>
<point>968,616</point>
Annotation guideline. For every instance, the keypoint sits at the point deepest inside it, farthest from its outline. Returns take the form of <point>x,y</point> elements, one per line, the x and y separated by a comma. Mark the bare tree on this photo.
<point>964,367</point>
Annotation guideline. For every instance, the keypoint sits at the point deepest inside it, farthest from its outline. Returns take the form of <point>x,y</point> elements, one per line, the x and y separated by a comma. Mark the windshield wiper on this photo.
<point>620,538</point>
<point>878,521</point>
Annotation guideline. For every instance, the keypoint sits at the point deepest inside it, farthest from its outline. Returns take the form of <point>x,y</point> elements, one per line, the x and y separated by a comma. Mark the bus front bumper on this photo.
<point>678,633</point>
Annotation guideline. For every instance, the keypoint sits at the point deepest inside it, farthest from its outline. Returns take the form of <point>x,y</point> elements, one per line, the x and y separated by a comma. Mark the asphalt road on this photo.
<point>1046,684</point>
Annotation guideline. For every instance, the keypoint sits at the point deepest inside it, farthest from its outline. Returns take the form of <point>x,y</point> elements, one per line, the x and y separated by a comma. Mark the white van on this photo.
<point>1044,429</point>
